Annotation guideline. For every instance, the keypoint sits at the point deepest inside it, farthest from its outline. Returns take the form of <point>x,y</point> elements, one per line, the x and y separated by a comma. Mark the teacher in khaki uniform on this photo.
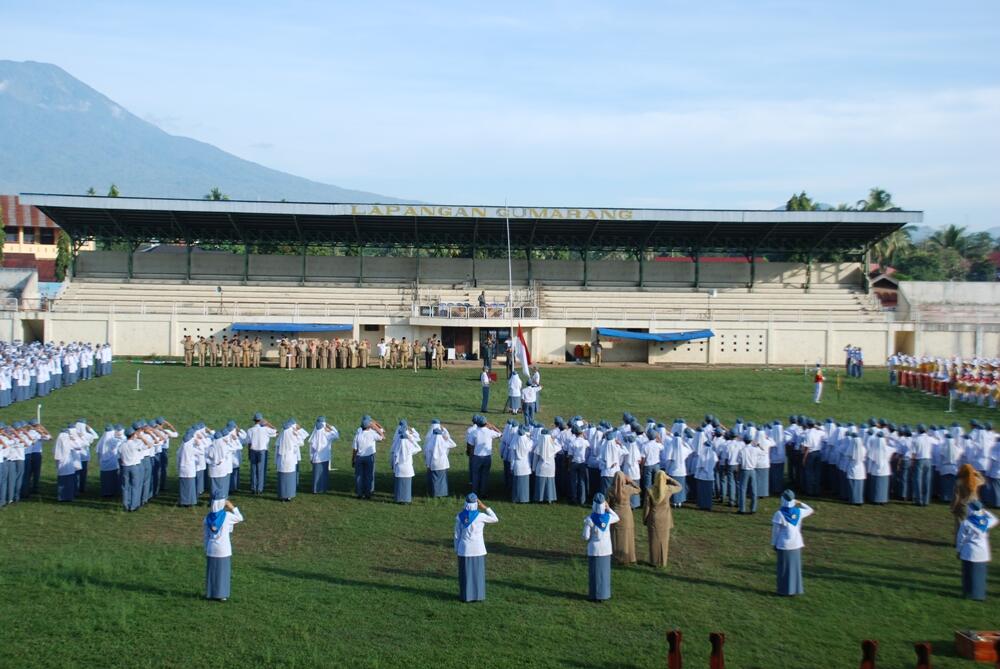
<point>188,345</point>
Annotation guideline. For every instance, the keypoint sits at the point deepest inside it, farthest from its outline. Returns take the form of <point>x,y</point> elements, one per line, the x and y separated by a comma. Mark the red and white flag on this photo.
<point>521,351</point>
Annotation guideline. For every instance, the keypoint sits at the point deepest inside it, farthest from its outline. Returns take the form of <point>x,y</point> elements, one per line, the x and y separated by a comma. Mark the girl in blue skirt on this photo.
<point>786,538</point>
<point>218,549</point>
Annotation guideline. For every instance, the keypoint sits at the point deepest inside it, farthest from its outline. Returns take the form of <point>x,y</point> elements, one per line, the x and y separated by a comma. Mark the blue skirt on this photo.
<point>790,572</point>
<point>974,580</point>
<point>437,482</point>
<point>218,572</point>
<point>187,491</point>
<point>110,484</point>
<point>680,496</point>
<point>66,487</point>
<point>404,489</point>
<point>220,487</point>
<point>321,477</point>
<point>705,490</point>
<point>598,577</point>
<point>545,488</point>
<point>947,487</point>
<point>515,403</point>
<point>472,578</point>
<point>879,489</point>
<point>856,488</point>
<point>520,490</point>
<point>286,484</point>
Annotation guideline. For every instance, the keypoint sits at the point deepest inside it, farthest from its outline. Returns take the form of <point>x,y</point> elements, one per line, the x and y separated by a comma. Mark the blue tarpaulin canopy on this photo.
<point>655,336</point>
<point>290,327</point>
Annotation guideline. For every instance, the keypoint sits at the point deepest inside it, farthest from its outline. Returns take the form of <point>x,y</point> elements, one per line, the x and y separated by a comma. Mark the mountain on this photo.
<point>58,135</point>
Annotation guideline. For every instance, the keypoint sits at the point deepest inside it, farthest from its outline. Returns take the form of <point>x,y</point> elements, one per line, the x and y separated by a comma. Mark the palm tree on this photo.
<point>216,194</point>
<point>878,200</point>
<point>800,202</point>
<point>952,237</point>
<point>113,191</point>
<point>891,246</point>
<point>91,191</point>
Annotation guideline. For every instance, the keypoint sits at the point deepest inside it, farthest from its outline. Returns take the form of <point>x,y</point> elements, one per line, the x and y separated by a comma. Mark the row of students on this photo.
<point>37,369</point>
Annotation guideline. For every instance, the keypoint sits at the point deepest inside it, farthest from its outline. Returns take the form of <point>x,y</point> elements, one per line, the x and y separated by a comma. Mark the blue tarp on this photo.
<point>290,327</point>
<point>655,336</point>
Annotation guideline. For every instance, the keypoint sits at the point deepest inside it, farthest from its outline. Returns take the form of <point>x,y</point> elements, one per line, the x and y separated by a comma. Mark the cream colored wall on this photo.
<point>946,343</point>
<point>746,347</point>
<point>546,344</point>
<point>688,352</point>
<point>796,347</point>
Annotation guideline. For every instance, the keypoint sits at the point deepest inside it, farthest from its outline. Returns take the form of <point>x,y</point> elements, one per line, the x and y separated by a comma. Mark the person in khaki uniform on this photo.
<point>404,353</point>
<point>202,351</point>
<point>366,348</point>
<point>355,358</point>
<point>213,355</point>
<point>302,354</point>
<point>341,353</point>
<point>415,354</point>
<point>331,353</point>
<point>282,350</point>
<point>188,345</point>
<point>324,347</point>
<point>393,353</point>
<point>439,350</point>
<point>224,351</point>
<point>246,352</point>
<point>256,349</point>
<point>598,352</point>
<point>234,350</point>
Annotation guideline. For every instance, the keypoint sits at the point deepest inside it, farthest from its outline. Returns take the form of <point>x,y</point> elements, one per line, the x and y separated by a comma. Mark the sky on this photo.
<point>640,104</point>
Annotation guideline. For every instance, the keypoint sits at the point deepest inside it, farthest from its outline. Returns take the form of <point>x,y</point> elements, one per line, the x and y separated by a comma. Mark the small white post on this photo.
<point>137,373</point>
<point>38,414</point>
<point>951,402</point>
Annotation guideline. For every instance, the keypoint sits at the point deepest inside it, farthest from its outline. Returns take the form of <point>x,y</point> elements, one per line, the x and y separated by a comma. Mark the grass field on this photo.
<point>330,580</point>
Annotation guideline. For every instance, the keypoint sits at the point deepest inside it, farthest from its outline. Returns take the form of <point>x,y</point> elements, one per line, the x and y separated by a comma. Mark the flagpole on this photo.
<point>510,278</point>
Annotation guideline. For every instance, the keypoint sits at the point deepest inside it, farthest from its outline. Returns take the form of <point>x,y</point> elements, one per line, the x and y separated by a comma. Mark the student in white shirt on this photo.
<point>437,444</point>
<point>544,468</point>
<point>471,549</point>
<point>405,445</point>
<point>879,466</point>
<point>363,456</point>
<point>597,534</point>
<point>973,545</point>
<point>320,451</point>
<point>786,538</point>
<point>219,524</point>
<point>259,436</point>
<point>484,380</point>
<point>187,461</point>
<point>107,460</point>
<point>67,462</point>
<point>855,456</point>
<point>520,465</point>
<point>704,474</point>
<point>482,454</point>
<point>514,386</point>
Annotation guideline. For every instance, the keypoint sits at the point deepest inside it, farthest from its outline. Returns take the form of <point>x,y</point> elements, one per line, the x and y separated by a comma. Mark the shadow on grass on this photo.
<point>534,589</point>
<point>351,583</point>
<point>843,575</point>
<point>77,578</point>
<point>887,537</point>
<point>507,550</point>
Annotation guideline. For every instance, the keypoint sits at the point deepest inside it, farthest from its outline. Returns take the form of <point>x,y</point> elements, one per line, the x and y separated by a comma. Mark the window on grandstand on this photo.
<point>28,235</point>
<point>10,233</point>
<point>46,236</point>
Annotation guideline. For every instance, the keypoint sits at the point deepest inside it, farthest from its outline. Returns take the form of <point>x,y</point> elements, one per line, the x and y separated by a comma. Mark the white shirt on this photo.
<point>469,540</point>
<point>529,394</point>
<point>879,456</point>
<point>972,544</point>
<point>514,386</point>
<point>289,449</point>
<point>107,452</point>
<point>365,440</point>
<point>187,459</point>
<point>856,454</point>
<point>132,452</point>
<point>260,435</point>
<point>218,458</point>
<point>483,441</point>
<point>436,453</point>
<point>321,442</point>
<point>484,378</point>
<point>403,450</point>
<point>598,540</point>
<point>705,467</point>
<point>784,535</point>
<point>218,545</point>
<point>64,453</point>
<point>545,456</point>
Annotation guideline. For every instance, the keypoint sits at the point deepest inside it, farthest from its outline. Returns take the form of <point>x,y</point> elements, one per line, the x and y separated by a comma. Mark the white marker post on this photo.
<point>137,373</point>
<point>951,402</point>
<point>38,414</point>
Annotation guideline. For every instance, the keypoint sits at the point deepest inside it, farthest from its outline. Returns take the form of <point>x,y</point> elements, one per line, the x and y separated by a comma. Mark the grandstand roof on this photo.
<point>424,225</point>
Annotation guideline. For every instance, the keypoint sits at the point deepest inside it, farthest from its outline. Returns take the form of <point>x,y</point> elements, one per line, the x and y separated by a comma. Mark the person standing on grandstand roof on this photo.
<point>786,539</point>
<point>471,549</point>
<point>363,456</point>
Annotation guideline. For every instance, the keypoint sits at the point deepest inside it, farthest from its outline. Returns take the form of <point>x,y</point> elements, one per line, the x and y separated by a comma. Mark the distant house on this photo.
<point>885,287</point>
<point>29,238</point>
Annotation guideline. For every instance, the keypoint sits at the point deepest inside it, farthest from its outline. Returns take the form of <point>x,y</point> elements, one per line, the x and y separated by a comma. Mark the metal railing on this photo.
<point>453,311</point>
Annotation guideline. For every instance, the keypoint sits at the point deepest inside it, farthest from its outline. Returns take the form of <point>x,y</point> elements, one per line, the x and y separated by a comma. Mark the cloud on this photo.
<point>3,85</point>
<point>263,146</point>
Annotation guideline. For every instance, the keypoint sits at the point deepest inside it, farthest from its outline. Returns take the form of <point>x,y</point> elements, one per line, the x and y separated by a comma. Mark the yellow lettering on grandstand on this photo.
<point>391,209</point>
<point>517,212</point>
<point>502,212</point>
<point>609,214</point>
<point>556,213</point>
<point>573,213</point>
<point>444,211</point>
<point>625,214</point>
<point>479,211</point>
<point>410,211</point>
<point>592,215</point>
<point>427,211</point>
<point>539,213</point>
<point>354,210</point>
<point>461,212</point>
<point>375,211</point>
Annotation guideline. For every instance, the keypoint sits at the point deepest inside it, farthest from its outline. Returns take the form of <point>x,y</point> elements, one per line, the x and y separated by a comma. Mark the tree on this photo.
<point>951,237</point>
<point>91,191</point>
<point>64,256</point>
<point>800,202</point>
<point>113,191</point>
<point>878,200</point>
<point>928,264</point>
<point>890,247</point>
<point>216,194</point>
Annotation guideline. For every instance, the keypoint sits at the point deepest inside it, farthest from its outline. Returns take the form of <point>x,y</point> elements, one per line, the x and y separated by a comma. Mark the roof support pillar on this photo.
<point>527,254</point>
<point>866,262</point>
<point>586,254</point>
<point>417,277</point>
<point>753,268</point>
<point>809,268</point>
<point>246,262</point>
<point>131,254</point>
<point>190,250</point>
<point>696,253</point>
<point>303,280</point>
<point>641,254</point>
<point>361,265</point>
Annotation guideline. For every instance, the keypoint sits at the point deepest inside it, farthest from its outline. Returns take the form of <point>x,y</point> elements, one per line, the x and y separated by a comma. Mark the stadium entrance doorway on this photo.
<point>904,343</point>
<point>32,330</point>
<point>458,338</point>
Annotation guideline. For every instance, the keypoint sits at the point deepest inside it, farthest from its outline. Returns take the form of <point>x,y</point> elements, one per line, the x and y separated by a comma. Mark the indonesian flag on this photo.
<point>521,351</point>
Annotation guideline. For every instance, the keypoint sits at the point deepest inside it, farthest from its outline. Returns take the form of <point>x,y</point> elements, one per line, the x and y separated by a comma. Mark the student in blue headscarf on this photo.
<point>405,444</point>
<point>187,462</point>
<point>320,451</point>
<point>597,534</point>
<point>363,456</point>
<point>520,466</point>
<point>973,545</point>
<point>288,453</point>
<point>218,550</point>
<point>471,549</point>
<point>786,538</point>
<point>437,443</point>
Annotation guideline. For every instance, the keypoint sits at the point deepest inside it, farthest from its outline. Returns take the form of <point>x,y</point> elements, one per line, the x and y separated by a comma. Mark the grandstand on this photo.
<point>382,272</point>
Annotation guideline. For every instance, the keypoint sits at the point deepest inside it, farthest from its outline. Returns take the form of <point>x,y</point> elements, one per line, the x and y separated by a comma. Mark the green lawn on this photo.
<point>335,581</point>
